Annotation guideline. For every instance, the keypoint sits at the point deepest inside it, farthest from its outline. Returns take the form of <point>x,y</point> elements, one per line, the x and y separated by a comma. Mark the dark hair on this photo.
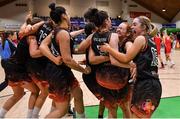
<point>89,15</point>
<point>4,37</point>
<point>35,20</point>
<point>28,21</point>
<point>101,16</point>
<point>8,33</point>
<point>96,16</point>
<point>89,28</point>
<point>56,12</point>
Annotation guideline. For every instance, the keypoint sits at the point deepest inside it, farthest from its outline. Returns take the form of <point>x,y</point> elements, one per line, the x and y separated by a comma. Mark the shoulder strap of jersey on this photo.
<point>146,44</point>
<point>109,36</point>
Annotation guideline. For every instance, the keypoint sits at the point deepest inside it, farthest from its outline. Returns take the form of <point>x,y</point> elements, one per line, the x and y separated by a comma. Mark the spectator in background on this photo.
<point>7,49</point>
<point>9,35</point>
<point>14,38</point>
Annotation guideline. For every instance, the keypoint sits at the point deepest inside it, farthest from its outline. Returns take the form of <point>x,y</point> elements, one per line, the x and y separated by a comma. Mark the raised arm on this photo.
<point>30,29</point>
<point>85,44</point>
<point>137,46</point>
<point>23,27</point>
<point>75,33</point>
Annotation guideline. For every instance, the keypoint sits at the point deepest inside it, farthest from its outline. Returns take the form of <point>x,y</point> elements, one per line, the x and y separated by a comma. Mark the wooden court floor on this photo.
<point>169,77</point>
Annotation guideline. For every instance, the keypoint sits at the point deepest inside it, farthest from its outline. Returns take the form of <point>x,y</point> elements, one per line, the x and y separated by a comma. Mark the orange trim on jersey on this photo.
<point>110,85</point>
<point>13,84</point>
<point>57,98</point>
<point>35,80</point>
<point>43,83</point>
<point>18,83</point>
<point>75,84</point>
<point>61,98</point>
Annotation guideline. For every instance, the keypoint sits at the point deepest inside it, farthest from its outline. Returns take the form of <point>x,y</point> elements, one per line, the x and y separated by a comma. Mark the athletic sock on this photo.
<point>3,112</point>
<point>80,115</point>
<point>35,112</point>
<point>52,108</point>
<point>29,113</point>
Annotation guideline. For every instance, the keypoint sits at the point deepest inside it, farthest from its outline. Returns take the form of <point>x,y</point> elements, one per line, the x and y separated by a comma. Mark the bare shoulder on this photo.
<point>90,36</point>
<point>140,39</point>
<point>114,35</point>
<point>63,34</point>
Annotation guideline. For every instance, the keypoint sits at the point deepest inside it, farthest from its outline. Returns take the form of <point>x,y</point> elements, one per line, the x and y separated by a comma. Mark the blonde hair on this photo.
<point>154,30</point>
<point>150,28</point>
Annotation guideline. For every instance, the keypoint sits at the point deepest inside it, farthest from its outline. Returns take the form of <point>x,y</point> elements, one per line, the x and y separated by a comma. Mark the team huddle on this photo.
<point>121,68</point>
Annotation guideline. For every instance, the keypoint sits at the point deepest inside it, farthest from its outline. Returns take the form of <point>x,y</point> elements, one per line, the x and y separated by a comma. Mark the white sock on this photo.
<point>3,112</point>
<point>29,114</point>
<point>80,115</point>
<point>35,112</point>
<point>52,108</point>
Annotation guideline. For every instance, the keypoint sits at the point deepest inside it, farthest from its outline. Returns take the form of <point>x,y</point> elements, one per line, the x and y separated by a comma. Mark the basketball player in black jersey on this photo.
<point>16,71</point>
<point>90,79</point>
<point>115,88</point>
<point>87,78</point>
<point>37,64</point>
<point>147,88</point>
<point>61,80</point>
<point>117,75</point>
<point>97,58</point>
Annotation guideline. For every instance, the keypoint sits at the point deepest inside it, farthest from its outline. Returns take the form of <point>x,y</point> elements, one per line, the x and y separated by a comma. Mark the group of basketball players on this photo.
<point>121,68</point>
